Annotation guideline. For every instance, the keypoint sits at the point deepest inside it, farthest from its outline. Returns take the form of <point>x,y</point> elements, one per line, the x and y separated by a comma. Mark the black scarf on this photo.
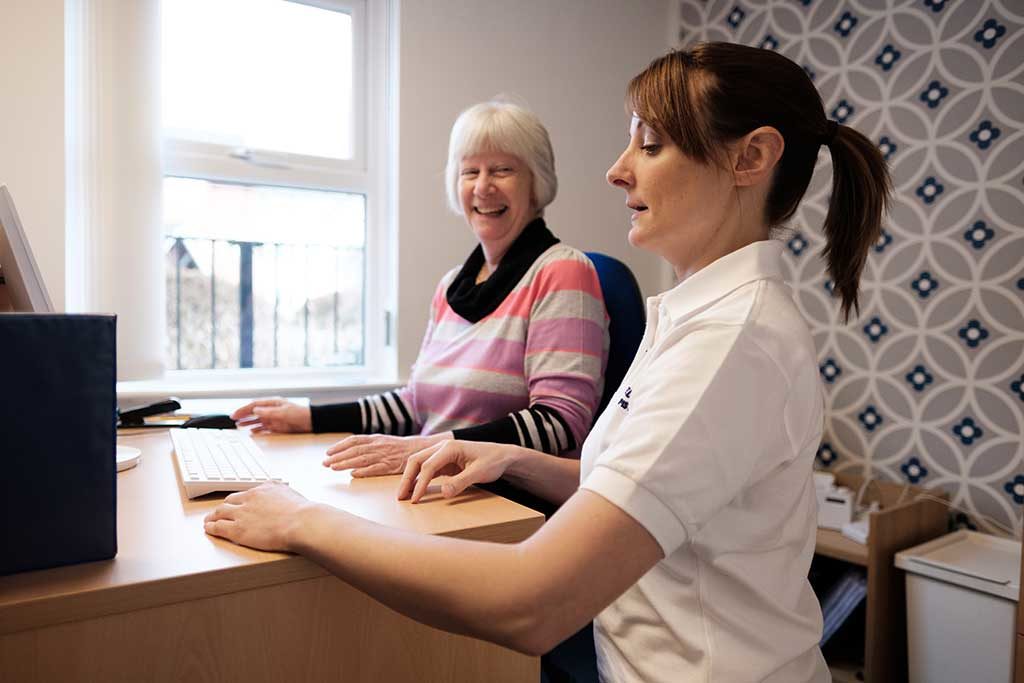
<point>475,301</point>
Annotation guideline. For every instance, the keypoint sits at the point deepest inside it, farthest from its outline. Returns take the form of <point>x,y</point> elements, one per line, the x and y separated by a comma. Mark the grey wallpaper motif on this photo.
<point>927,385</point>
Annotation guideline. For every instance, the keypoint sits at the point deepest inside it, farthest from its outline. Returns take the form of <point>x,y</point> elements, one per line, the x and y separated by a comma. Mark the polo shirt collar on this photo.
<point>757,261</point>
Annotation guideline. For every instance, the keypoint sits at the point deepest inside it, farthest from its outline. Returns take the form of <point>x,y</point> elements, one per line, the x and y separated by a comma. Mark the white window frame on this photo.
<point>369,172</point>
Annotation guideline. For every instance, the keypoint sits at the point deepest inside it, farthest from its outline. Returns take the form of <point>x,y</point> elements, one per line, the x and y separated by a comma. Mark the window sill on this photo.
<point>318,386</point>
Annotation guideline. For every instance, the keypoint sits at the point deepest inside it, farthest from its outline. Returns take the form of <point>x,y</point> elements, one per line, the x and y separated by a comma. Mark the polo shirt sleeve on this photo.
<point>704,413</point>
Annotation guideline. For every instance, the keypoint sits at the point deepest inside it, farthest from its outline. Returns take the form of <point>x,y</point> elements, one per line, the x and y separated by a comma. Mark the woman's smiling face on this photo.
<point>496,194</point>
<point>678,204</point>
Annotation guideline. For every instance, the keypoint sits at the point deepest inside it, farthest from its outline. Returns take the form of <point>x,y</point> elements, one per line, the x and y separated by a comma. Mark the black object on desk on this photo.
<point>57,440</point>
<point>215,421</point>
<point>136,417</point>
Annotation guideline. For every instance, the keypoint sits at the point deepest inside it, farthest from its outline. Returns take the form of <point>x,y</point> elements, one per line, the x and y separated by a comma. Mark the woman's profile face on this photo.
<point>496,194</point>
<point>677,204</point>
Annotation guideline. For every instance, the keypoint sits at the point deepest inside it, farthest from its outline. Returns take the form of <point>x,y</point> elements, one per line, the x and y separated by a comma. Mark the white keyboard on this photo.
<point>218,460</point>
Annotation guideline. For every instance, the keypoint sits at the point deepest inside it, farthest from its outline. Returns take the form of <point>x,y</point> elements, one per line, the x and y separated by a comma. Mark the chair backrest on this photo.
<point>627,316</point>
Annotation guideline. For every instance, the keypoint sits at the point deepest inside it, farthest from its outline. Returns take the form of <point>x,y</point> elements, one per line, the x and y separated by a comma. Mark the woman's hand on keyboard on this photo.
<point>262,518</point>
<point>374,455</point>
<point>274,415</point>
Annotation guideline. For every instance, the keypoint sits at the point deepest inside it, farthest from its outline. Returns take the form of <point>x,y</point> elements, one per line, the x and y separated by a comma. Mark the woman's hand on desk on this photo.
<point>264,518</point>
<point>374,455</point>
<point>466,463</point>
<point>274,415</point>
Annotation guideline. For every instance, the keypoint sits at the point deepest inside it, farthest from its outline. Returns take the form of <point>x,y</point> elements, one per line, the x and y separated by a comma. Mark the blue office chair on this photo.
<point>627,316</point>
<point>574,659</point>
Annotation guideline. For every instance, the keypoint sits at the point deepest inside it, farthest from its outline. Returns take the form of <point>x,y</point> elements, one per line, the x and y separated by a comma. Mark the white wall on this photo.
<point>32,128</point>
<point>569,61</point>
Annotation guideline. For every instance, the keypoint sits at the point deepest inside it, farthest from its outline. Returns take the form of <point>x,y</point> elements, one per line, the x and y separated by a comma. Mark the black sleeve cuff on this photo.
<point>502,430</point>
<point>337,417</point>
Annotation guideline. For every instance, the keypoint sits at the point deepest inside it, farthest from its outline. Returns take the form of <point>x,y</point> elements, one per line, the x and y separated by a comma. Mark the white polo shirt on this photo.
<point>709,444</point>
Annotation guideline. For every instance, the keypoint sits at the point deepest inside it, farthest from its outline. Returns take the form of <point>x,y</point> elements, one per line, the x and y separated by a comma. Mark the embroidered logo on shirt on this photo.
<point>623,403</point>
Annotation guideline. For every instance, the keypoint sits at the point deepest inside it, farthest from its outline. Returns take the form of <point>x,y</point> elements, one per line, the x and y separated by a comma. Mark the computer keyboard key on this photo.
<point>218,460</point>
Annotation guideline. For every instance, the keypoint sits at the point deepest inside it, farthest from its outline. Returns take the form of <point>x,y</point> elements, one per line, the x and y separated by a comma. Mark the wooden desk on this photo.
<point>178,605</point>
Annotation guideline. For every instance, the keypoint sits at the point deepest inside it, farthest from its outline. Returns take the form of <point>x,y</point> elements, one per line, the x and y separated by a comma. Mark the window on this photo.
<point>274,206</point>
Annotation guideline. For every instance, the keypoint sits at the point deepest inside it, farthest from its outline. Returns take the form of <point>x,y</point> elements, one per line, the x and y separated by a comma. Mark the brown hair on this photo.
<point>715,93</point>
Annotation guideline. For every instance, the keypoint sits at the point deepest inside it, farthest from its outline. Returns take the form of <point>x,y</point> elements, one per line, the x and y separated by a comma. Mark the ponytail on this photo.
<point>861,194</point>
<point>714,93</point>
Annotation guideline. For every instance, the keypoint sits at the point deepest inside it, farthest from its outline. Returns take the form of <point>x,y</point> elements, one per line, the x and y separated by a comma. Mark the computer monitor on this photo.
<point>17,267</point>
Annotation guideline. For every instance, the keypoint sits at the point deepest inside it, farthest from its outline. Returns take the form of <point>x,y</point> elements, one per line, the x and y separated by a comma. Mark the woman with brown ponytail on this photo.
<point>687,528</point>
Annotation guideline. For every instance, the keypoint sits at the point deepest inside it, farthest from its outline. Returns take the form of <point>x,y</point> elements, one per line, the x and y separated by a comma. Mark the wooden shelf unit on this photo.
<point>895,527</point>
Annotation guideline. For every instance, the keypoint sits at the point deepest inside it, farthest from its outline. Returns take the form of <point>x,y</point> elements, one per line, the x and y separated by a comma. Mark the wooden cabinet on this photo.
<point>902,522</point>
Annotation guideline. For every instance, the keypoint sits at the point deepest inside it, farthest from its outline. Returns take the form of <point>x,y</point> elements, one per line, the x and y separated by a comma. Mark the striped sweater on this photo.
<point>528,373</point>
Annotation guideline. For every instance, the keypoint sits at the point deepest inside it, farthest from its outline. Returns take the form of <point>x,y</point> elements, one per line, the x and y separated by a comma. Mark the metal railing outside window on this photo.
<point>240,304</point>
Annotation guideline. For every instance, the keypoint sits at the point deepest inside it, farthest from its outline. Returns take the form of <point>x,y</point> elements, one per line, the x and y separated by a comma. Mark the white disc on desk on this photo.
<point>127,457</point>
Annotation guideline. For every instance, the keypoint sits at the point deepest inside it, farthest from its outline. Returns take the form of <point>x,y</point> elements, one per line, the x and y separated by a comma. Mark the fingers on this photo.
<point>376,470</point>
<point>236,497</point>
<point>221,522</point>
<point>348,461</point>
<point>224,528</point>
<point>225,510</point>
<point>349,442</point>
<point>261,418</point>
<point>458,483</point>
<point>412,469</point>
<point>355,451</point>
<point>272,418</point>
<point>446,453</point>
<point>248,407</point>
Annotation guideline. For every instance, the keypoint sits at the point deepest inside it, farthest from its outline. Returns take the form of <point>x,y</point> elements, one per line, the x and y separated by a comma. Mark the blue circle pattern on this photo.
<point>797,244</point>
<point>962,521</point>
<point>967,431</point>
<point>735,16</point>
<point>973,334</point>
<point>887,58</point>
<point>919,378</point>
<point>875,329</point>
<point>913,470</point>
<point>887,147</point>
<point>843,111</point>
<point>870,418</point>
<point>830,370</point>
<point>884,239</point>
<point>845,24</point>
<point>930,190</point>
<point>979,135</point>
<point>1017,387</point>
<point>934,94</point>
<point>985,134</point>
<point>1016,489</point>
<point>825,455</point>
<point>989,33</point>
<point>770,42</point>
<point>978,234</point>
<point>924,285</point>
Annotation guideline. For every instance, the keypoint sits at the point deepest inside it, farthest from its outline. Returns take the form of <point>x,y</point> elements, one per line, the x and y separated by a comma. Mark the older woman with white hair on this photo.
<point>516,342</point>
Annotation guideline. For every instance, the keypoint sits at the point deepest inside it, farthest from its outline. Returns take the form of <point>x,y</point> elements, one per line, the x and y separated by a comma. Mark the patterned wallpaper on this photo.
<point>927,385</point>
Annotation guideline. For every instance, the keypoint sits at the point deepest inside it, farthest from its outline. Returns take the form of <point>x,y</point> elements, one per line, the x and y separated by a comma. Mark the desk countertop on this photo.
<point>164,557</point>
